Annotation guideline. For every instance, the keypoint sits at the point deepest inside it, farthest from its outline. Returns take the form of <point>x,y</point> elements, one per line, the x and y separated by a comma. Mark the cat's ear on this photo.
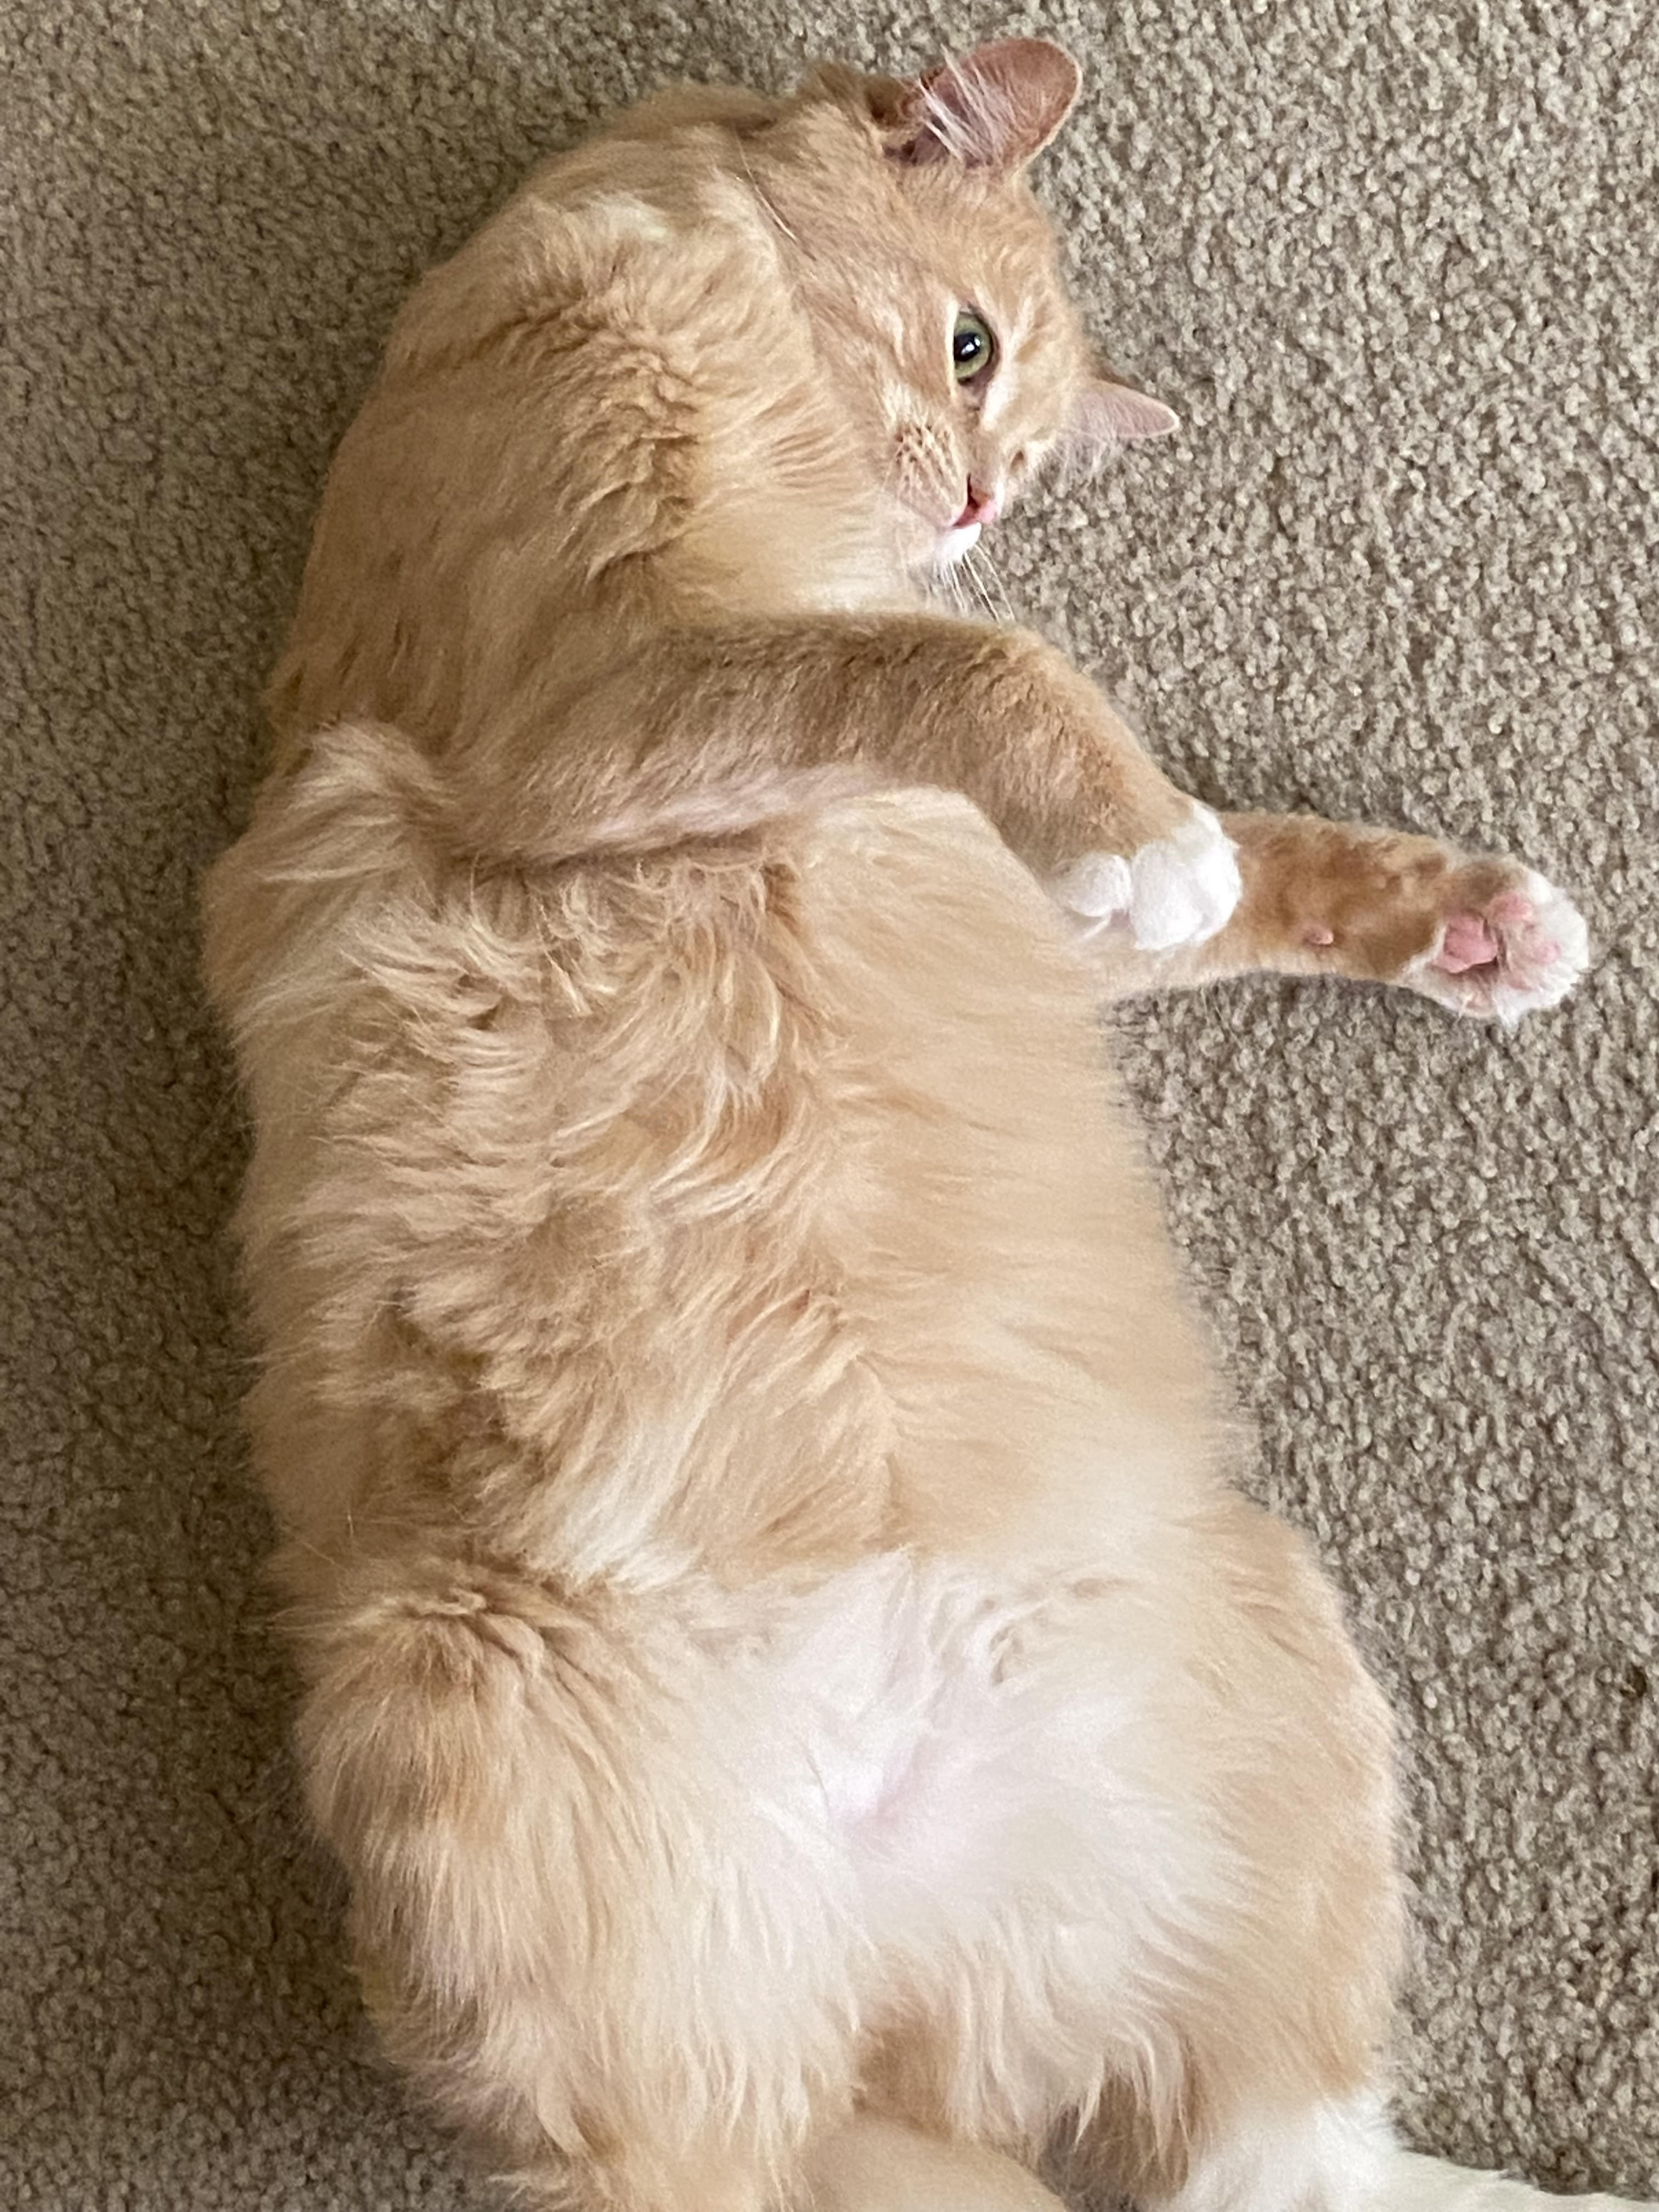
<point>1109,414</point>
<point>993,109</point>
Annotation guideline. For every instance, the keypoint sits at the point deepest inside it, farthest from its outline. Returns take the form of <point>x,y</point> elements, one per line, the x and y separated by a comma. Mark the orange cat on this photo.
<point>803,1713</point>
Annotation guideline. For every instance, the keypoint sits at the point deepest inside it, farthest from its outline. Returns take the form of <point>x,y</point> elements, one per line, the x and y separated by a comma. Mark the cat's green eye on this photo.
<point>973,348</point>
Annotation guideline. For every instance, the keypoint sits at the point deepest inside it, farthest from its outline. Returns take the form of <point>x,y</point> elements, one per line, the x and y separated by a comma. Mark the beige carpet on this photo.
<point>1397,267</point>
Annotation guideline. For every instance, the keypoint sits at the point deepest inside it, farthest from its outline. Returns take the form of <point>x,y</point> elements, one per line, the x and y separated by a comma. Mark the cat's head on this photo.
<point>930,274</point>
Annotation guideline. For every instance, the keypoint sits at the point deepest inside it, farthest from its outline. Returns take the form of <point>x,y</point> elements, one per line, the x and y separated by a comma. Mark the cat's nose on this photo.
<point>981,506</point>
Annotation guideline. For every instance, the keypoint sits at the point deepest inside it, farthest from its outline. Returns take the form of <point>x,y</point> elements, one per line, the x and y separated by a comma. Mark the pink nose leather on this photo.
<point>981,508</point>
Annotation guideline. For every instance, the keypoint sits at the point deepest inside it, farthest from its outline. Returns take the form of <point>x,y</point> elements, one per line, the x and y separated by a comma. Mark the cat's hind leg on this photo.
<point>873,2164</point>
<point>1343,2157</point>
<point>592,1914</point>
<point>1279,2024</point>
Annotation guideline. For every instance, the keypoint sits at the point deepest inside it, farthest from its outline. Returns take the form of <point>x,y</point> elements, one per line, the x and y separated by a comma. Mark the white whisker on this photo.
<point>999,607</point>
<point>947,585</point>
<point>970,570</point>
<point>766,205</point>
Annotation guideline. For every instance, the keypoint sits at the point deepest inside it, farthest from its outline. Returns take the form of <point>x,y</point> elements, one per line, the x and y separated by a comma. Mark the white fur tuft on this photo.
<point>972,118</point>
<point>1178,890</point>
<point>1344,2158</point>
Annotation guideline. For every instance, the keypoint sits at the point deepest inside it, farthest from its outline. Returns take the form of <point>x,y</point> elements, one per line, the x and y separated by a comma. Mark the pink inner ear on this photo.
<point>996,107</point>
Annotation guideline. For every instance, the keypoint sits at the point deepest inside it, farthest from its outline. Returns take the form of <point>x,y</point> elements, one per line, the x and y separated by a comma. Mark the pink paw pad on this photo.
<point>1523,949</point>
<point>1468,943</point>
<point>1512,907</point>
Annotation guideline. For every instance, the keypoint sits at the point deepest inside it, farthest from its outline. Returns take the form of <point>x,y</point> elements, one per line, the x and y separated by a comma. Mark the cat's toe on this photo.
<point>1184,888</point>
<point>1520,951</point>
<point>1096,888</point>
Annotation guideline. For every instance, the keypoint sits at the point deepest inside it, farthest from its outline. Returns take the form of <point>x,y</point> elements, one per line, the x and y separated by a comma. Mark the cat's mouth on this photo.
<point>982,506</point>
<point>938,535</point>
<point>961,536</point>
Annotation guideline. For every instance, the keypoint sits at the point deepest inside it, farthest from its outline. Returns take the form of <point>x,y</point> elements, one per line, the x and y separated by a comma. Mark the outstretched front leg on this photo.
<point>721,728</point>
<point>1483,936</point>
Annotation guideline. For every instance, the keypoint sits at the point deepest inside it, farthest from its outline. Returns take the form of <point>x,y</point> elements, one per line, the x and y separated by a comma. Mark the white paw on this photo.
<point>1521,950</point>
<point>1178,890</point>
<point>1098,887</point>
<point>1185,886</point>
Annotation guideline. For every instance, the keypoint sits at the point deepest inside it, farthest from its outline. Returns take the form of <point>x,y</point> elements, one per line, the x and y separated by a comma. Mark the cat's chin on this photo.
<point>954,543</point>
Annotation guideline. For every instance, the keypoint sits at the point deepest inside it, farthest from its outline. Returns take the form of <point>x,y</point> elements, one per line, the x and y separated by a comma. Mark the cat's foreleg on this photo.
<point>1482,936</point>
<point>717,730</point>
<point>712,731</point>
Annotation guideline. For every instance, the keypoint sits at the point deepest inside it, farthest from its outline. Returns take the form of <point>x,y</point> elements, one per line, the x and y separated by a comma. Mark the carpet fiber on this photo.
<point>1395,266</point>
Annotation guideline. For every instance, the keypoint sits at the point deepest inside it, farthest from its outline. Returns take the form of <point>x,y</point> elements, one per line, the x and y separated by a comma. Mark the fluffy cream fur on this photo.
<point>804,1715</point>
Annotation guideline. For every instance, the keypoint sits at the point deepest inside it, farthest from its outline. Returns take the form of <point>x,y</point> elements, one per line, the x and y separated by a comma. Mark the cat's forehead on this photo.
<point>998,224</point>
<point>898,251</point>
<point>940,212</point>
